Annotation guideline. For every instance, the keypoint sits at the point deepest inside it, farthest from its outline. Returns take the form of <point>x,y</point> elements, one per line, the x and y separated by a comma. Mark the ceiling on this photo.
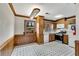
<point>54,10</point>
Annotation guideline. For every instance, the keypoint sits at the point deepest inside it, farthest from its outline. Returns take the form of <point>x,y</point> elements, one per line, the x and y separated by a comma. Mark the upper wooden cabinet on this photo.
<point>29,26</point>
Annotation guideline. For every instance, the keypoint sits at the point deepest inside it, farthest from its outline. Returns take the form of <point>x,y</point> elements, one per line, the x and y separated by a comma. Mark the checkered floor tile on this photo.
<point>55,48</point>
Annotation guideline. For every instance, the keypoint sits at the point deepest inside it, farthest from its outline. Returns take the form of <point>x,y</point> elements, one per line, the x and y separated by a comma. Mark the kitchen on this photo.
<point>60,30</point>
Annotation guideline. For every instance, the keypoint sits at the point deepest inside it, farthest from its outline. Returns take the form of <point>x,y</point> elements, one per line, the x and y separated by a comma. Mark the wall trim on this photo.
<point>15,14</point>
<point>6,42</point>
<point>12,8</point>
<point>65,18</point>
<point>20,15</point>
<point>7,47</point>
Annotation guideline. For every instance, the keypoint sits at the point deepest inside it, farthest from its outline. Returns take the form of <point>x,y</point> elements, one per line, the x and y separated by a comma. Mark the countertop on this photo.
<point>52,32</point>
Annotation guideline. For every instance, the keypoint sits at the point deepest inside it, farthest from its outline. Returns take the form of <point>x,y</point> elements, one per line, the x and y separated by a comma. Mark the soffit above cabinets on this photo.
<point>51,11</point>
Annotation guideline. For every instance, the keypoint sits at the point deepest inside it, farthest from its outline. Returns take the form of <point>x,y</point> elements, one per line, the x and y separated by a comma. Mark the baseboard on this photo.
<point>7,47</point>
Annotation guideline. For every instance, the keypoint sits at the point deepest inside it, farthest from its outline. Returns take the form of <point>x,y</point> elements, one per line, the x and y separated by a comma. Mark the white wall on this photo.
<point>6,22</point>
<point>19,25</point>
<point>72,37</point>
<point>77,22</point>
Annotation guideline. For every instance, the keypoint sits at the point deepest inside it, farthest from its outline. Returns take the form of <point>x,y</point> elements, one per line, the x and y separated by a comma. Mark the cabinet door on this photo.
<point>76,48</point>
<point>65,39</point>
<point>30,37</point>
<point>51,37</point>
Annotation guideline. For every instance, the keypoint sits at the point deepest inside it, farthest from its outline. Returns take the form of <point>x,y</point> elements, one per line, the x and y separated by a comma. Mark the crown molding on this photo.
<point>20,15</point>
<point>16,14</point>
<point>12,8</point>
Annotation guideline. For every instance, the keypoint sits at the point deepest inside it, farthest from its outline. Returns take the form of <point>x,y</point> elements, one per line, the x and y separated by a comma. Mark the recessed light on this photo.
<point>46,13</point>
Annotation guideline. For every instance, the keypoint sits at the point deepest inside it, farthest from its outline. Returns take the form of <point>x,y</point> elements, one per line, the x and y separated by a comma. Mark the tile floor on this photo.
<point>55,48</point>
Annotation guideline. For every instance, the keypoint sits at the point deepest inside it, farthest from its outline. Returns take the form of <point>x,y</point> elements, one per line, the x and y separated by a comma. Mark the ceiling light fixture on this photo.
<point>34,12</point>
<point>59,16</point>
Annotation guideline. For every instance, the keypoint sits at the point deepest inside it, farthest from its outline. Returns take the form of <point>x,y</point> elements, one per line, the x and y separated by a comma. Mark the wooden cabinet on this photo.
<point>19,39</point>
<point>51,37</point>
<point>30,37</point>
<point>76,48</point>
<point>24,39</point>
<point>65,39</point>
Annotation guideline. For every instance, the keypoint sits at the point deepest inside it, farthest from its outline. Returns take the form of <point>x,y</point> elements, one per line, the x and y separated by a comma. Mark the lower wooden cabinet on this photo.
<point>51,37</point>
<point>19,39</point>
<point>30,37</point>
<point>24,39</point>
<point>65,39</point>
<point>76,48</point>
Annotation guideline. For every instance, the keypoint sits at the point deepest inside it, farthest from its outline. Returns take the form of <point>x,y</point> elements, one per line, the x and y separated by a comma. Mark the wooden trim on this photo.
<point>12,8</point>
<point>22,16</point>
<point>70,17</point>
<point>7,47</point>
<point>19,15</point>
<point>54,20</point>
<point>19,34</point>
<point>5,43</point>
<point>49,20</point>
<point>65,18</point>
<point>59,19</point>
